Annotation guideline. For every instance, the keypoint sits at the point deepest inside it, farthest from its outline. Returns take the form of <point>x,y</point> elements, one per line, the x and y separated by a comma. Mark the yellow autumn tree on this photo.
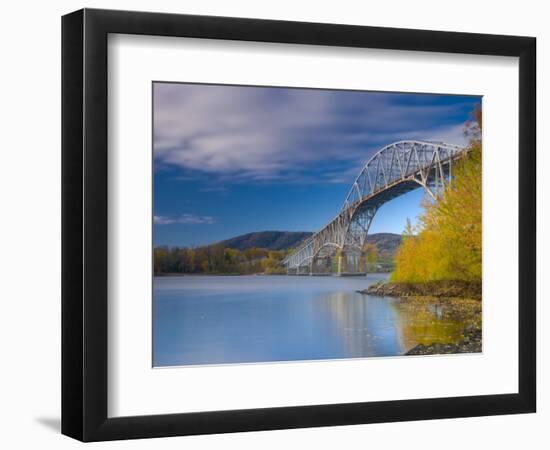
<point>447,245</point>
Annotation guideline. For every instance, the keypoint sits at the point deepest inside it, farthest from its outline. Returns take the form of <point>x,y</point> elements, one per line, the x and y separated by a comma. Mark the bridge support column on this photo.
<point>353,265</point>
<point>321,266</point>
<point>349,263</point>
<point>340,263</point>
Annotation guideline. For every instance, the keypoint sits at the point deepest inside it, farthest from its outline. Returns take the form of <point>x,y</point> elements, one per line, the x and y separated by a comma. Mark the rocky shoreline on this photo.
<point>457,295</point>
<point>470,344</point>
<point>448,289</point>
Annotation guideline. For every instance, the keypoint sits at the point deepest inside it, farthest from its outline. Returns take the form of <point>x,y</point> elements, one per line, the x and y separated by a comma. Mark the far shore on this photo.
<point>180,274</point>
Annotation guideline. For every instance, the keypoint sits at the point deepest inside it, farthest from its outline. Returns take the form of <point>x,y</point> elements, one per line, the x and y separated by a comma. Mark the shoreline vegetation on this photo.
<point>213,274</point>
<point>442,257</point>
<point>446,242</point>
<point>217,259</point>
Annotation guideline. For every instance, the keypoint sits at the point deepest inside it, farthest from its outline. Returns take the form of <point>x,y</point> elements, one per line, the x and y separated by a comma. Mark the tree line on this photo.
<point>217,259</point>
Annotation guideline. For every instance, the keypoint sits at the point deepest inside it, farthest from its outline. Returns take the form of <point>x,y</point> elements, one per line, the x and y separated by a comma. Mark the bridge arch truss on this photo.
<point>393,171</point>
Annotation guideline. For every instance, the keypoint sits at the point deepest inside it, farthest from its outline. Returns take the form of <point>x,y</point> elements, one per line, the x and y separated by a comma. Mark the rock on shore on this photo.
<point>470,344</point>
<point>462,289</point>
<point>457,296</point>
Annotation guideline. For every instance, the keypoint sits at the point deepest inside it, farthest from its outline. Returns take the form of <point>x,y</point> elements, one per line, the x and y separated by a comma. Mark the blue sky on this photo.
<point>230,160</point>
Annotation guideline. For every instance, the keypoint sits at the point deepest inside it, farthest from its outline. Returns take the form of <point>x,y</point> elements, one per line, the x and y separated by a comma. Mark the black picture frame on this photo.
<point>84,224</point>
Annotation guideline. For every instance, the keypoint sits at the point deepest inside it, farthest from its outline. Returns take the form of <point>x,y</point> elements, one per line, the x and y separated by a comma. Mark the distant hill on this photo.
<point>386,243</point>
<point>271,240</point>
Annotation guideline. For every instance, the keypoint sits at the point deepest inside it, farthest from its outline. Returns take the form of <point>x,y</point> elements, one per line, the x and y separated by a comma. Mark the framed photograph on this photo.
<point>273,224</point>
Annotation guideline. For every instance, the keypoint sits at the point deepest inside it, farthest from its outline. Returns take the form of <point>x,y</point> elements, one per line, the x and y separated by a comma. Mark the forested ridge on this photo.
<point>270,240</point>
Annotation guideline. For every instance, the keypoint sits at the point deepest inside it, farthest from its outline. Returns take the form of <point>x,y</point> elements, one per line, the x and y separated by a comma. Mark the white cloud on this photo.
<point>245,133</point>
<point>451,134</point>
<point>183,219</point>
<point>162,220</point>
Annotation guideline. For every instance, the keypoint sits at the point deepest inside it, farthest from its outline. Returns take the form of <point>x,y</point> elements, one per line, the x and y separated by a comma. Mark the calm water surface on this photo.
<point>237,319</point>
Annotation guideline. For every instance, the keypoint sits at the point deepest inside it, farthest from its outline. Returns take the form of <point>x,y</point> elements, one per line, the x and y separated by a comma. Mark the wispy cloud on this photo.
<point>163,220</point>
<point>264,134</point>
<point>183,219</point>
<point>213,189</point>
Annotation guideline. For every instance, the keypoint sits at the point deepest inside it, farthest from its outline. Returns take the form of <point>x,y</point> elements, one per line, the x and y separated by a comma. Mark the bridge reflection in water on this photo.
<point>393,171</point>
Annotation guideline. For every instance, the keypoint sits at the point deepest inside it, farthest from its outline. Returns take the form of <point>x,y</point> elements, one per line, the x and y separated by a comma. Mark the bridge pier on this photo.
<point>321,266</point>
<point>344,264</point>
<point>349,264</point>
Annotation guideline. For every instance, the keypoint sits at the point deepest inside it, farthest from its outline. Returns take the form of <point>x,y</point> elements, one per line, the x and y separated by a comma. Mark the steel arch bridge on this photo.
<point>394,170</point>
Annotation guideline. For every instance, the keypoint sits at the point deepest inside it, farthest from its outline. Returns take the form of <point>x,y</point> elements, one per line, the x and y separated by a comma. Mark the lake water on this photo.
<point>238,319</point>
